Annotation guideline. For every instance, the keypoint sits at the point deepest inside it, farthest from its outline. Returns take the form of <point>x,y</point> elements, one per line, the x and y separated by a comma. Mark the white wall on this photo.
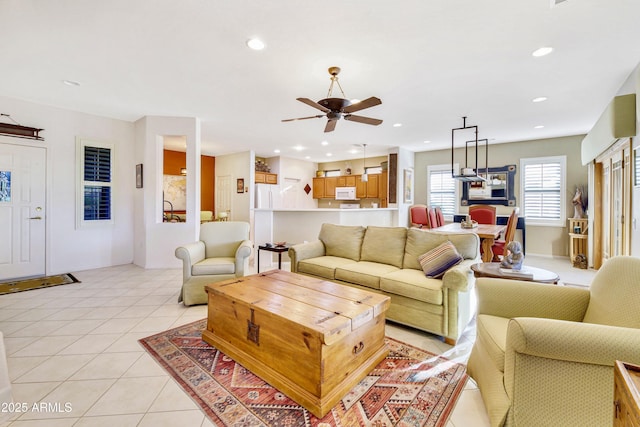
<point>302,172</point>
<point>155,240</point>
<point>406,161</point>
<point>239,165</point>
<point>67,248</point>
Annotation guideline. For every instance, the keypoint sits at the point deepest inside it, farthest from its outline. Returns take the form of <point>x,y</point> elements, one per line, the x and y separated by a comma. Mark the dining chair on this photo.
<point>483,214</point>
<point>439,216</point>
<point>498,247</point>
<point>418,216</point>
<point>433,219</point>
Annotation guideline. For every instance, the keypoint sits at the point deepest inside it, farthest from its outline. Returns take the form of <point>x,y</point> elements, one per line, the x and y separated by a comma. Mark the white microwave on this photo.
<point>345,193</point>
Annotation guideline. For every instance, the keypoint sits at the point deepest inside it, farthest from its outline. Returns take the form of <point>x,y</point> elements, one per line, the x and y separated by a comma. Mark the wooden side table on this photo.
<point>626,395</point>
<point>492,269</point>
<point>272,248</point>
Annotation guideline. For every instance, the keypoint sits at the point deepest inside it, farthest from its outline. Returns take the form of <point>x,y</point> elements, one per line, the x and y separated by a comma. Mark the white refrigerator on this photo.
<point>268,196</point>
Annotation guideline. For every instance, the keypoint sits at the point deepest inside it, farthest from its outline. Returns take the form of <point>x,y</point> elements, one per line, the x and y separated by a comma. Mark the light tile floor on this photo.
<point>76,345</point>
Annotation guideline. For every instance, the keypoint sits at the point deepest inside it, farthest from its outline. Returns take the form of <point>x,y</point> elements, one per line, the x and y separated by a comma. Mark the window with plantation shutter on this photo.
<point>442,189</point>
<point>96,181</point>
<point>543,186</point>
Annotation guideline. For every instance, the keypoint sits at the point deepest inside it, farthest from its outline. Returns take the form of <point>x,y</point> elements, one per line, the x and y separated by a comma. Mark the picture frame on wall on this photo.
<point>139,175</point>
<point>408,186</point>
<point>240,185</point>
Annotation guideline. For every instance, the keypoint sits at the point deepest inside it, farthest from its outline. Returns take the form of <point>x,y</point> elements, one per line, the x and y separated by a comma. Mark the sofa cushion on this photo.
<point>413,284</point>
<point>324,266</point>
<point>364,273</point>
<point>223,265</point>
<point>342,241</point>
<point>384,245</point>
<point>492,332</point>
<point>420,241</point>
<point>438,260</point>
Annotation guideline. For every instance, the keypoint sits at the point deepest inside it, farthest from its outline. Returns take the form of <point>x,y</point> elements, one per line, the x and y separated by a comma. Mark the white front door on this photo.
<point>22,213</point>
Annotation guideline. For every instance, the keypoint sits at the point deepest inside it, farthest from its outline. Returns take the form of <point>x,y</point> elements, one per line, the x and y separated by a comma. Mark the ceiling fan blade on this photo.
<point>362,119</point>
<point>304,118</point>
<point>331,125</point>
<point>369,102</point>
<point>313,104</point>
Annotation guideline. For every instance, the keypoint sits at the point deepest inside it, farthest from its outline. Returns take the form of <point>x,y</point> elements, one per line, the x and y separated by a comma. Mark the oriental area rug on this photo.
<point>36,283</point>
<point>410,387</point>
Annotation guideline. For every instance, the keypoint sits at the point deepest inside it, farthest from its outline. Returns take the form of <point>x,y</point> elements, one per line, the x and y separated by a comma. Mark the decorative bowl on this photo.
<point>280,243</point>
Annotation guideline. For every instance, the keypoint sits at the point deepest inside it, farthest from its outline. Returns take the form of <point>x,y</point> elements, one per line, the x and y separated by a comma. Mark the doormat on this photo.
<point>36,283</point>
<point>410,387</point>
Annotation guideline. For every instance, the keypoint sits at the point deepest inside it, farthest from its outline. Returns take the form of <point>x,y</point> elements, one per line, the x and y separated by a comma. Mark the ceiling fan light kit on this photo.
<point>337,108</point>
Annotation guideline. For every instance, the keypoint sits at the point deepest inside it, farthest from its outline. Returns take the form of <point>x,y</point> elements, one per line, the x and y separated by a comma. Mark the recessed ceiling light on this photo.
<point>324,143</point>
<point>538,127</point>
<point>71,83</point>
<point>276,150</point>
<point>255,44</point>
<point>353,151</point>
<point>307,157</point>
<point>329,154</point>
<point>542,51</point>
<point>397,125</point>
<point>539,99</point>
<point>298,148</point>
<point>427,142</point>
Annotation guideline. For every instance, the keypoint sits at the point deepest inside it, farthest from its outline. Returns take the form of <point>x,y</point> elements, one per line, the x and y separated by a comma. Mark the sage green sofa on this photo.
<point>385,260</point>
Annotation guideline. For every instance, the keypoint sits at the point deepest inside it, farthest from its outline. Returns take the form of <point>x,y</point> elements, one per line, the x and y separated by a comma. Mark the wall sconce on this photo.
<point>183,171</point>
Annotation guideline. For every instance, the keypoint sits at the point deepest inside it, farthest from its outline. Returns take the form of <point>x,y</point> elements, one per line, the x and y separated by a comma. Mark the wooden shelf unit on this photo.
<point>626,395</point>
<point>578,238</point>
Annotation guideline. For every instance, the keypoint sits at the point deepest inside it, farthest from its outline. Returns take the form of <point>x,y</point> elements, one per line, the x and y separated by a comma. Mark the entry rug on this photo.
<point>36,283</point>
<point>410,387</point>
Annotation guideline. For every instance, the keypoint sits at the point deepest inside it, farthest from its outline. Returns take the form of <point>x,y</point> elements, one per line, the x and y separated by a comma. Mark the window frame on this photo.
<point>81,144</point>
<point>547,222</point>
<point>445,169</point>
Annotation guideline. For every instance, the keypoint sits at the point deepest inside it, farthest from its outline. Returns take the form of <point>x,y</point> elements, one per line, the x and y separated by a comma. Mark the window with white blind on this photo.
<point>95,172</point>
<point>543,186</point>
<point>442,189</point>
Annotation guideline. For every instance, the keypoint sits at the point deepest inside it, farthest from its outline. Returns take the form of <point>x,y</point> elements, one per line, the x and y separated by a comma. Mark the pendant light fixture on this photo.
<point>364,177</point>
<point>467,173</point>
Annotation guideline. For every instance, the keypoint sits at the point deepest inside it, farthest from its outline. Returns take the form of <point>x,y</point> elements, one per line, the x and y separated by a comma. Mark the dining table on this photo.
<point>488,233</point>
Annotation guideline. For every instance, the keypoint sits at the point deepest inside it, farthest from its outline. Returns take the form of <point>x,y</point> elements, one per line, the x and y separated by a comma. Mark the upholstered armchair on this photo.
<point>221,253</point>
<point>544,354</point>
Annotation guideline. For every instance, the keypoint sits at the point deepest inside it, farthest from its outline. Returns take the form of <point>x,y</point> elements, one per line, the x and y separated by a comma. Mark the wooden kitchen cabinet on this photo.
<point>626,395</point>
<point>361,188</point>
<point>318,188</point>
<point>347,181</point>
<point>383,188</point>
<point>372,186</point>
<point>266,178</point>
<point>330,184</point>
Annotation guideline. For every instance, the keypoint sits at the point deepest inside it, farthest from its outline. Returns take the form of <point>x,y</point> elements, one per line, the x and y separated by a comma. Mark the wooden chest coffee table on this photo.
<point>313,340</point>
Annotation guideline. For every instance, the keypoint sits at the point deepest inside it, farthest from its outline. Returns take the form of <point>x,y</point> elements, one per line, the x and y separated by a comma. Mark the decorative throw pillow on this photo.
<point>438,260</point>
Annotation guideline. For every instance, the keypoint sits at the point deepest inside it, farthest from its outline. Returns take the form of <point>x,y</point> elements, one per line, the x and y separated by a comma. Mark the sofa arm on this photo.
<point>572,341</point>
<point>190,254</point>
<point>516,298</point>
<point>303,251</point>
<point>242,257</point>
<point>460,277</point>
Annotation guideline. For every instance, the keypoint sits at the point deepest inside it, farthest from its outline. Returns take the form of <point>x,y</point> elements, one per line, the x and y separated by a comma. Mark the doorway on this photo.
<point>22,206</point>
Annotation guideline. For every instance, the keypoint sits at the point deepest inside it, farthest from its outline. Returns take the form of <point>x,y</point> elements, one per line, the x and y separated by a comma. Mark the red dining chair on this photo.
<point>483,214</point>
<point>418,216</point>
<point>433,218</point>
<point>498,247</point>
<point>439,216</point>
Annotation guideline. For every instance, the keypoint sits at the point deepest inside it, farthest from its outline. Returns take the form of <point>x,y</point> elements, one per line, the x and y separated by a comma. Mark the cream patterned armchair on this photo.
<point>544,354</point>
<point>221,253</point>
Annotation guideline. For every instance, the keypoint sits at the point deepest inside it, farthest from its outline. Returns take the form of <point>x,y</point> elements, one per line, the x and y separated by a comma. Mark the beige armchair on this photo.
<point>221,253</point>
<point>544,354</point>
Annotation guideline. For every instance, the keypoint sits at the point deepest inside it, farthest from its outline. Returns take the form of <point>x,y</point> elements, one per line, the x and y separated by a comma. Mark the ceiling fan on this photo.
<point>335,108</point>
